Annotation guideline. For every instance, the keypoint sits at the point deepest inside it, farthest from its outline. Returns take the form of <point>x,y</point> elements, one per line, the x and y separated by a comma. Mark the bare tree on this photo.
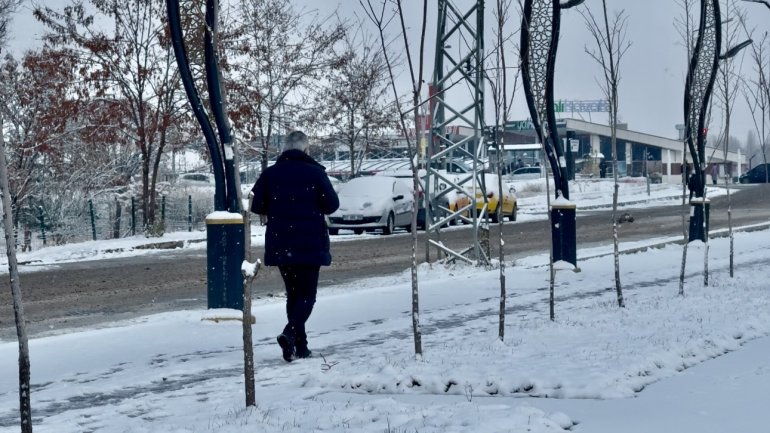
<point>134,64</point>
<point>497,74</point>
<point>33,105</point>
<point>355,106</point>
<point>727,92</point>
<point>61,144</point>
<point>752,147</point>
<point>611,45</point>
<point>7,9</point>
<point>376,11</point>
<point>685,25</point>
<point>278,54</point>
<point>756,91</point>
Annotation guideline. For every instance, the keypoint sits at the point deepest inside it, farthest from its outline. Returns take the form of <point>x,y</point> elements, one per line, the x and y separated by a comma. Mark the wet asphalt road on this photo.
<point>98,292</point>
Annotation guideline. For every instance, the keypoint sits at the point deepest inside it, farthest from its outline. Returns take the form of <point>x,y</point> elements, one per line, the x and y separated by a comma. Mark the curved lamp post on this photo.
<point>539,40</point>
<point>224,231</point>
<point>701,75</point>
<point>764,2</point>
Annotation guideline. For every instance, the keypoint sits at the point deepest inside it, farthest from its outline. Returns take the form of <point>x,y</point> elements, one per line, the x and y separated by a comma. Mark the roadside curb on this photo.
<point>634,202</point>
<point>720,233</point>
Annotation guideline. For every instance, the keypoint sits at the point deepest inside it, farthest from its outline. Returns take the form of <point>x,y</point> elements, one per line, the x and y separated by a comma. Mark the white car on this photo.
<point>371,203</point>
<point>526,173</point>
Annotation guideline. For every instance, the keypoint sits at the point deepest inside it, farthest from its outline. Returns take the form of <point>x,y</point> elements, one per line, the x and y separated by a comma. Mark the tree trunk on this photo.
<point>615,240</point>
<point>730,229</point>
<point>500,217</point>
<point>726,77</point>
<point>25,405</point>
<point>684,251</point>
<point>415,286</point>
<point>248,345</point>
<point>685,208</point>
<point>352,146</point>
<point>551,271</point>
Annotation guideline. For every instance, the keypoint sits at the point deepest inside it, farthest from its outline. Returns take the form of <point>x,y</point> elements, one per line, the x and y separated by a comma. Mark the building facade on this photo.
<point>588,151</point>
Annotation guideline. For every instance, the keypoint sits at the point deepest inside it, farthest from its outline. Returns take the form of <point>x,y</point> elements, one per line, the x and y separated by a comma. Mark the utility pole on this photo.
<point>457,79</point>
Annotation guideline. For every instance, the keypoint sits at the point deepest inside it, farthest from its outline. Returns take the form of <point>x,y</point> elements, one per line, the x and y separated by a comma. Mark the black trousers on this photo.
<point>301,283</point>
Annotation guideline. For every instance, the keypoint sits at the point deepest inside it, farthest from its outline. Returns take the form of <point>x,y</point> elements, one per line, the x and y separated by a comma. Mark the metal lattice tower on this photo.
<point>457,99</point>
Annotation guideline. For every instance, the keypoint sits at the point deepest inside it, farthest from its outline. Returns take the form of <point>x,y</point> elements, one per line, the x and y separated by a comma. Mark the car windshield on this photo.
<point>370,186</point>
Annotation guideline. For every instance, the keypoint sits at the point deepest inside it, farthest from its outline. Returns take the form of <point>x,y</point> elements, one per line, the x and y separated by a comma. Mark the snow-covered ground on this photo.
<point>664,363</point>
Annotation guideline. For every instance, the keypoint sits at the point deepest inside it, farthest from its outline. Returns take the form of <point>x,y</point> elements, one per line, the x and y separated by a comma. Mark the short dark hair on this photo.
<point>295,140</point>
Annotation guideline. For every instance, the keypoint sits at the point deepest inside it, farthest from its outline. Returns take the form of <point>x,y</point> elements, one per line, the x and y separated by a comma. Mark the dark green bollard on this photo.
<point>133,216</point>
<point>699,219</point>
<point>163,211</point>
<point>224,257</point>
<point>563,232</point>
<point>41,216</point>
<point>189,213</point>
<point>93,219</point>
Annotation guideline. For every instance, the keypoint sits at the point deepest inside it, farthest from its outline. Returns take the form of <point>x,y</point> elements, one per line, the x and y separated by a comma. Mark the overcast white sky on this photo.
<point>653,71</point>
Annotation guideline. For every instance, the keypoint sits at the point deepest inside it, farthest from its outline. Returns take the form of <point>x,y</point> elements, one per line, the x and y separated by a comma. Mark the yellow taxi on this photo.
<point>509,207</point>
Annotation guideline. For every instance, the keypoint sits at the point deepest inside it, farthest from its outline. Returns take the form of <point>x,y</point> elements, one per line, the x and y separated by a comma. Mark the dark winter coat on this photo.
<point>295,194</point>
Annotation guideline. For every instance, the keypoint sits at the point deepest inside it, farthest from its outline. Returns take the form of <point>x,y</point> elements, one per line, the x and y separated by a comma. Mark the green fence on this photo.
<point>101,218</point>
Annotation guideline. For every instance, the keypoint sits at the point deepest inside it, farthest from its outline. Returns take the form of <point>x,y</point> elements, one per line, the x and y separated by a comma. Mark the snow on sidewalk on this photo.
<point>175,373</point>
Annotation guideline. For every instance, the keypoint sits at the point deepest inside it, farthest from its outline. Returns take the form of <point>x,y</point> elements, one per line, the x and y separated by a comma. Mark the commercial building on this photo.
<point>588,151</point>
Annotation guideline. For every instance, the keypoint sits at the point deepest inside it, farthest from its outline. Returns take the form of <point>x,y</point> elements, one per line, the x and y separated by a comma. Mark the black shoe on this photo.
<point>303,352</point>
<point>287,347</point>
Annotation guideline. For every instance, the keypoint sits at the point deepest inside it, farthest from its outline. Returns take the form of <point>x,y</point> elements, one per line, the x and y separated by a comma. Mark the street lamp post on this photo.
<point>539,40</point>
<point>698,88</point>
<point>224,228</point>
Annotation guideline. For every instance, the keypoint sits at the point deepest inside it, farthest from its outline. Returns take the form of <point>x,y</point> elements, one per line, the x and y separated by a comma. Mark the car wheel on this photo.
<point>358,231</point>
<point>514,212</point>
<point>495,217</point>
<point>334,232</point>
<point>408,227</point>
<point>389,225</point>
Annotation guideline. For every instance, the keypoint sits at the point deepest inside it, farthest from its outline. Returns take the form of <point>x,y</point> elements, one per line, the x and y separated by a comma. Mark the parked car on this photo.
<point>373,203</point>
<point>525,173</point>
<point>335,182</point>
<point>459,200</point>
<point>406,176</point>
<point>509,207</point>
<point>755,175</point>
<point>196,179</point>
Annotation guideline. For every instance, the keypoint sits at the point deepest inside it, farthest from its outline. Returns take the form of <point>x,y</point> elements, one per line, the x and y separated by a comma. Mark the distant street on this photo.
<point>91,292</point>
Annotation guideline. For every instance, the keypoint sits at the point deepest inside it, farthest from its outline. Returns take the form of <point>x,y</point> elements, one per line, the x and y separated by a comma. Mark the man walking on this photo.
<point>295,194</point>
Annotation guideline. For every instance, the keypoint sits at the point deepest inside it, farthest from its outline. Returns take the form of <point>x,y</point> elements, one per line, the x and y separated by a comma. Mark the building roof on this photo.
<point>643,138</point>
